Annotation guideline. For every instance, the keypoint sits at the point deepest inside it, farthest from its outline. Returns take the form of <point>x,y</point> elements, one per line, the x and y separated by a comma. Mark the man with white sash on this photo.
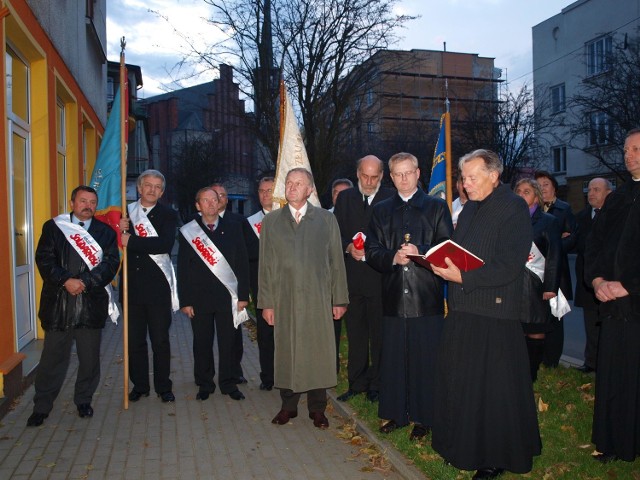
<point>213,286</point>
<point>149,236</point>
<point>264,330</point>
<point>253,247</point>
<point>77,257</point>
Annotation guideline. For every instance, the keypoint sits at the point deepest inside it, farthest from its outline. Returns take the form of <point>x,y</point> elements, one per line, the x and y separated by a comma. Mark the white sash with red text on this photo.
<point>90,252</point>
<point>143,228</point>
<point>255,221</point>
<point>215,261</point>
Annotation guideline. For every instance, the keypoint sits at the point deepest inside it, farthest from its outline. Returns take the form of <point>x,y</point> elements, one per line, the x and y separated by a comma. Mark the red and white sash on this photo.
<point>255,221</point>
<point>90,252</point>
<point>216,263</point>
<point>143,228</point>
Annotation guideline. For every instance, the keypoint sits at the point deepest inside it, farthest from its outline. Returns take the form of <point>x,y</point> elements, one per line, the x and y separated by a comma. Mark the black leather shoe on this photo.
<point>585,369</point>
<point>134,395</point>
<point>202,395</point>
<point>373,395</point>
<point>606,457</point>
<point>236,395</point>
<point>85,410</point>
<point>389,427</point>
<point>484,473</point>
<point>240,380</point>
<point>167,397</point>
<point>36,419</point>
<point>266,386</point>
<point>419,431</point>
<point>347,395</point>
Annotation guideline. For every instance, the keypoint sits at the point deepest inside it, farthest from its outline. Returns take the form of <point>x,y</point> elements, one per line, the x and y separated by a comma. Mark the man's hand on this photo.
<point>400,258</point>
<point>188,311</point>
<point>242,305</point>
<point>123,224</point>
<point>607,291</point>
<point>356,254</point>
<point>451,273</point>
<point>548,295</point>
<point>268,315</point>
<point>338,312</point>
<point>74,286</point>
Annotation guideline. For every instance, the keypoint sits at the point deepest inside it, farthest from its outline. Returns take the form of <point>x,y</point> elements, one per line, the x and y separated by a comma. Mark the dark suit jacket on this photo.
<point>147,283</point>
<point>562,211</point>
<point>585,297</point>
<point>546,236</point>
<point>353,218</point>
<point>198,287</point>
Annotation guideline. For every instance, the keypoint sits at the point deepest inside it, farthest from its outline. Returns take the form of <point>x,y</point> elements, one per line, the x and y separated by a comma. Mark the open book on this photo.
<point>460,256</point>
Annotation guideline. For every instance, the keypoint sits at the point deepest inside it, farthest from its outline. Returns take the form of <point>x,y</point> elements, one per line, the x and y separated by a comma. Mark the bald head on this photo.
<point>599,188</point>
<point>370,173</point>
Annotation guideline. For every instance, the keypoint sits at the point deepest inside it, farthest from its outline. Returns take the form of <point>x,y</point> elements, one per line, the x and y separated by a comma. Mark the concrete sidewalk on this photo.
<point>216,439</point>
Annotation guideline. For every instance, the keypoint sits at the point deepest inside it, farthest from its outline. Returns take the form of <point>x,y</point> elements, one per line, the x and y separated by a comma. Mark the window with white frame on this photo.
<point>599,129</point>
<point>598,53</point>
<point>559,158</point>
<point>557,99</point>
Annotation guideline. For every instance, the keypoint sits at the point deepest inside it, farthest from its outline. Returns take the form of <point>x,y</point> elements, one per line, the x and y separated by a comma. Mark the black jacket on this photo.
<point>353,218</point>
<point>57,261</point>
<point>546,236</point>
<point>562,211</point>
<point>498,230</point>
<point>584,296</point>
<point>410,290</point>
<point>198,287</point>
<point>147,283</point>
<point>612,249</point>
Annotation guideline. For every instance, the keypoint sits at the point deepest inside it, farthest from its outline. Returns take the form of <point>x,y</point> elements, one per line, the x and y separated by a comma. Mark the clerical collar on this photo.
<point>406,199</point>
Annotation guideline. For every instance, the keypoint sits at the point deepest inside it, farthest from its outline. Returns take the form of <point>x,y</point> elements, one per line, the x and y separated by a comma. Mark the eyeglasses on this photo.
<point>403,175</point>
<point>263,191</point>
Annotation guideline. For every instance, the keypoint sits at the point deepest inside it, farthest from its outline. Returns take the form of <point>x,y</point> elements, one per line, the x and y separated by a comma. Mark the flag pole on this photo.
<point>447,151</point>
<point>124,98</point>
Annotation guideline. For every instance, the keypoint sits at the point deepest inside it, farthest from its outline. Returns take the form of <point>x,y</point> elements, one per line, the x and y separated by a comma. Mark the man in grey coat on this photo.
<point>303,289</point>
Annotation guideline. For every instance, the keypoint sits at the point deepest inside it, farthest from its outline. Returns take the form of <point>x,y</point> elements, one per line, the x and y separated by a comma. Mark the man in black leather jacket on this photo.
<point>413,299</point>
<point>74,304</point>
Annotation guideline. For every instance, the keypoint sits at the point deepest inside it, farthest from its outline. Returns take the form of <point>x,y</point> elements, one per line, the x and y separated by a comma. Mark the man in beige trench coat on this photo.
<point>303,289</point>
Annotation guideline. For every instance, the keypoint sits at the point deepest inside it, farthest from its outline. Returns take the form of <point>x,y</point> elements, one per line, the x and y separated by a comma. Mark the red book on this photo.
<point>460,256</point>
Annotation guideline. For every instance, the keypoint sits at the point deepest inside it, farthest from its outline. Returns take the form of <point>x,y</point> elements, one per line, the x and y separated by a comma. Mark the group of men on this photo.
<point>307,268</point>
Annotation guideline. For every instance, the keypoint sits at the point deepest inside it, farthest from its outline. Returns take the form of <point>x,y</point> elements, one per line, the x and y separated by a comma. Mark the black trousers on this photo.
<point>54,363</point>
<point>239,349</point>
<point>154,319</point>
<point>204,328</point>
<point>554,343</point>
<point>316,400</point>
<point>592,330</point>
<point>364,332</point>
<point>337,331</point>
<point>265,348</point>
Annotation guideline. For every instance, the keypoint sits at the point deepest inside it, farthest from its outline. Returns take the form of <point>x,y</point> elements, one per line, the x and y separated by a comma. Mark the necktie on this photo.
<point>596,211</point>
<point>298,217</point>
<point>366,201</point>
<point>81,224</point>
<point>210,226</point>
<point>144,209</point>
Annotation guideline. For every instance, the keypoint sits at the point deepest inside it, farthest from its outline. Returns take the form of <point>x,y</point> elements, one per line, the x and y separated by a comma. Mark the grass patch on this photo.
<point>564,397</point>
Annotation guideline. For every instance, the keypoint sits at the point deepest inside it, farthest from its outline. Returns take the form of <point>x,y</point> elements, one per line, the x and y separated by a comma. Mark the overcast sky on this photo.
<point>491,28</point>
